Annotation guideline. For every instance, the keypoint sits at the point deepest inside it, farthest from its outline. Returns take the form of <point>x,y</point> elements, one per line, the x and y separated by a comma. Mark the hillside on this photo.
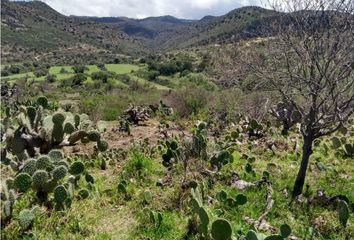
<point>34,26</point>
<point>166,32</point>
<point>29,28</point>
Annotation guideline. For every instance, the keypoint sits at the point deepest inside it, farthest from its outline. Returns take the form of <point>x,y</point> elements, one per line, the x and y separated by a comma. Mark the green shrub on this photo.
<point>138,165</point>
<point>80,69</point>
<point>110,114</point>
<point>51,78</point>
<point>41,72</point>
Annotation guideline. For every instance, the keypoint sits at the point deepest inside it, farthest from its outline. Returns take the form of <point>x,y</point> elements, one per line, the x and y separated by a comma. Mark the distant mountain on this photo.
<point>34,26</point>
<point>167,32</point>
<point>146,30</point>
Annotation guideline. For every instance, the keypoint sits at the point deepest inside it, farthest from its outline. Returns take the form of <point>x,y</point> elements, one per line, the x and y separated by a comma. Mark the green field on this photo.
<point>128,69</point>
<point>122,68</point>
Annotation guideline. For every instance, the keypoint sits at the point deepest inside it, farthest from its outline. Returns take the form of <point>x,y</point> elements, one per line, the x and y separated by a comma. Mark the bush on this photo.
<point>5,72</point>
<point>152,75</point>
<point>138,165</point>
<point>125,78</point>
<point>79,69</point>
<point>188,101</point>
<point>100,76</point>
<point>14,69</point>
<point>110,114</point>
<point>41,72</point>
<point>171,67</point>
<point>78,79</point>
<point>198,79</point>
<point>63,71</point>
<point>51,78</point>
<point>101,66</point>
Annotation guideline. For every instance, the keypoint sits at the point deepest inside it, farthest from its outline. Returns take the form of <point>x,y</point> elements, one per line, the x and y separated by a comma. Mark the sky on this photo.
<point>188,9</point>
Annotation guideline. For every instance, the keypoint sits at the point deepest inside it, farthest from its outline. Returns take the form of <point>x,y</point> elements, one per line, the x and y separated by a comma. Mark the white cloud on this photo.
<point>191,9</point>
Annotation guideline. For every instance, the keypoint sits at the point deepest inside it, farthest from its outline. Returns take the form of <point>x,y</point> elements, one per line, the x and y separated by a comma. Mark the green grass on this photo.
<point>122,68</point>
<point>56,69</point>
<point>108,214</point>
<point>143,81</point>
<point>18,76</point>
<point>92,69</point>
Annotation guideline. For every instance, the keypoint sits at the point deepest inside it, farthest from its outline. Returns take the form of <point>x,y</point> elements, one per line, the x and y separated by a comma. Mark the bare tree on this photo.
<point>310,62</point>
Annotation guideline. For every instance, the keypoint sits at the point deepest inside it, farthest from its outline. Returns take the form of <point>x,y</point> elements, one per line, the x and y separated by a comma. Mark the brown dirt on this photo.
<point>116,139</point>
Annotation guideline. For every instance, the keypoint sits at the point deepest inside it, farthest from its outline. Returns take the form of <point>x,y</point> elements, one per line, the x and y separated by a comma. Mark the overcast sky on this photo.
<point>190,9</point>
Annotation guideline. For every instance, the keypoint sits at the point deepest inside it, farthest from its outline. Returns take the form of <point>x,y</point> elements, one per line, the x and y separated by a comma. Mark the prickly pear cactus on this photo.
<point>38,131</point>
<point>343,213</point>
<point>26,218</point>
<point>23,182</point>
<point>221,229</point>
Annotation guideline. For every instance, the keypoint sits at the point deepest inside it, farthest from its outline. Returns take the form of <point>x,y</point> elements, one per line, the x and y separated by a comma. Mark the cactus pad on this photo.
<point>29,166</point>
<point>44,162</point>
<point>285,230</point>
<point>43,101</point>
<point>39,179</point>
<point>102,145</point>
<point>343,213</point>
<point>56,155</point>
<point>23,182</point>
<point>69,128</point>
<point>26,218</point>
<point>94,136</point>
<point>60,194</point>
<point>31,113</point>
<point>221,230</point>
<point>77,168</point>
<point>58,118</point>
<point>84,193</point>
<point>59,172</point>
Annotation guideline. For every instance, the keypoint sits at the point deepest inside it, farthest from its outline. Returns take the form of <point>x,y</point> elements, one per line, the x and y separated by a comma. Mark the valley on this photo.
<point>231,127</point>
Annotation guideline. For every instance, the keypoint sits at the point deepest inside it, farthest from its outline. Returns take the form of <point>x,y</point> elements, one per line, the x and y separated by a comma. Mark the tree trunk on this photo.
<point>300,179</point>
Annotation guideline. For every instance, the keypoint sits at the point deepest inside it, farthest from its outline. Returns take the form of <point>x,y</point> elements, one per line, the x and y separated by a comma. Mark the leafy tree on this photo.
<point>78,79</point>
<point>79,69</point>
<point>101,76</point>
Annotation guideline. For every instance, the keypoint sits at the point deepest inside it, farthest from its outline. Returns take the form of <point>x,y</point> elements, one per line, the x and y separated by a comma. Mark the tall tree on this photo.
<point>310,62</point>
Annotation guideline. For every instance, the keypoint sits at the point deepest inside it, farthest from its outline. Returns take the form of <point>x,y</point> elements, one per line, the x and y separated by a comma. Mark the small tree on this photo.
<point>310,62</point>
<point>79,69</point>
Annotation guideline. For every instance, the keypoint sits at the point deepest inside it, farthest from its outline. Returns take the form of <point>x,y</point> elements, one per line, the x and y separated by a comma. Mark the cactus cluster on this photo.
<point>8,198</point>
<point>123,191</point>
<point>220,228</point>
<point>173,153</point>
<point>342,146</point>
<point>113,155</point>
<point>221,158</point>
<point>254,128</point>
<point>26,218</point>
<point>198,146</point>
<point>284,232</point>
<point>38,131</point>
<point>51,178</point>
<point>287,114</point>
<point>239,200</point>
<point>154,217</point>
<point>50,174</point>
